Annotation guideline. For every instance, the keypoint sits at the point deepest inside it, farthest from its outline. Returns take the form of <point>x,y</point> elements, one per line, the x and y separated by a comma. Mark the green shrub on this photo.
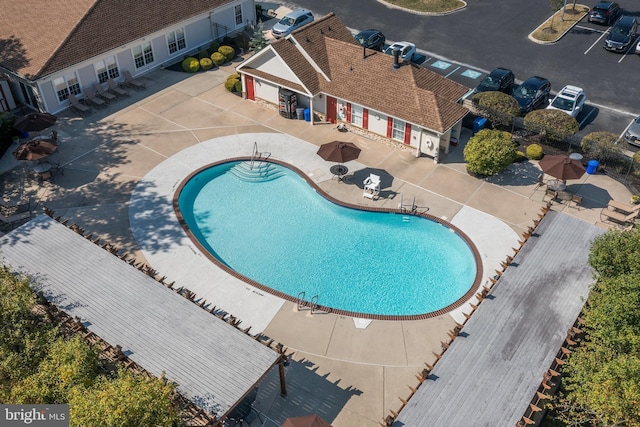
<point>230,84</point>
<point>555,125</point>
<point>238,86</point>
<point>206,63</point>
<point>234,76</point>
<point>190,65</point>
<point>520,157</point>
<point>489,152</point>
<point>534,152</point>
<point>499,108</point>
<point>217,58</point>
<point>214,46</point>
<point>228,52</point>
<point>603,146</point>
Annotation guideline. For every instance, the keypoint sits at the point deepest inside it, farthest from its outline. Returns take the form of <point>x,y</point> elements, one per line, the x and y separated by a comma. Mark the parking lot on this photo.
<point>484,36</point>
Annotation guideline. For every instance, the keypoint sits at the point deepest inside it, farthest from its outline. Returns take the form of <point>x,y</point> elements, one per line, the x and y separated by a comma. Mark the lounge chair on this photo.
<point>77,106</point>
<point>371,186</point>
<point>623,207</point>
<point>133,82</point>
<point>103,93</point>
<point>93,98</point>
<point>113,87</point>
<point>619,217</point>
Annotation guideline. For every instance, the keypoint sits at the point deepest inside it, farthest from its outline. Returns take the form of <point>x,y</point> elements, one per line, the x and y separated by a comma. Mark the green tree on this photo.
<point>602,146</point>
<point>616,252</point>
<point>552,124</point>
<point>489,152</point>
<point>126,399</point>
<point>499,108</point>
<point>259,41</point>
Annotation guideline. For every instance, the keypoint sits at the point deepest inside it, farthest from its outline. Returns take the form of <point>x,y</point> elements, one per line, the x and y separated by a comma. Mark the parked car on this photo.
<point>500,79</point>
<point>605,12</point>
<point>371,39</point>
<point>632,135</point>
<point>291,21</point>
<point>532,93</point>
<point>570,99</point>
<point>407,50</point>
<point>638,48</point>
<point>622,34</point>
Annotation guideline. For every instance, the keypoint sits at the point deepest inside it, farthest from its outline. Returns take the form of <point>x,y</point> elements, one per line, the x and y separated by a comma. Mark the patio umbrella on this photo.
<point>35,149</point>
<point>305,421</point>
<point>339,151</point>
<point>35,122</point>
<point>562,167</point>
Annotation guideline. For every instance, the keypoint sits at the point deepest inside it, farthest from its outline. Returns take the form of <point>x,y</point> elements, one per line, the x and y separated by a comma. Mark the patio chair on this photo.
<point>553,195</point>
<point>93,98</point>
<point>576,200</point>
<point>129,80</point>
<point>619,217</point>
<point>540,182</point>
<point>77,106</point>
<point>371,186</point>
<point>103,93</point>
<point>113,87</point>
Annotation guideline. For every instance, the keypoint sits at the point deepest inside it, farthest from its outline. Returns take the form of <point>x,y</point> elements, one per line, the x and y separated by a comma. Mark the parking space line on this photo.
<point>593,30</point>
<point>453,71</point>
<point>632,45</point>
<point>596,42</point>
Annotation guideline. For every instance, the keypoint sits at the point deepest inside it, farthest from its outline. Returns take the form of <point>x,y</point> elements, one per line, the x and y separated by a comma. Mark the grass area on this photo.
<point>428,5</point>
<point>554,27</point>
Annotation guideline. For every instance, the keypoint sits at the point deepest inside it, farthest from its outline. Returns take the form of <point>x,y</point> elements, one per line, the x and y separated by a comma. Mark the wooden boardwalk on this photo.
<point>491,371</point>
<point>213,364</point>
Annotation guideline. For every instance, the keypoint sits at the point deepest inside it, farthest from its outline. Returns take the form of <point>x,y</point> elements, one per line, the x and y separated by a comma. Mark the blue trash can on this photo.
<point>592,166</point>
<point>478,124</point>
<point>307,115</point>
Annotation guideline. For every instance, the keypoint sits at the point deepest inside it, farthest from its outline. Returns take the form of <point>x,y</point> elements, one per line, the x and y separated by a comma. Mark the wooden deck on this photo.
<point>212,363</point>
<point>492,370</point>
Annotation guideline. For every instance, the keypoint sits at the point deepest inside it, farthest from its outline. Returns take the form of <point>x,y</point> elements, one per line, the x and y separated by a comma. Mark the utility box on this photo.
<point>479,124</point>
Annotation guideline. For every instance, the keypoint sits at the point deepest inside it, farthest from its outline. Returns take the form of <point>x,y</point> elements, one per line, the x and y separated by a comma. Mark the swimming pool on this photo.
<point>273,228</point>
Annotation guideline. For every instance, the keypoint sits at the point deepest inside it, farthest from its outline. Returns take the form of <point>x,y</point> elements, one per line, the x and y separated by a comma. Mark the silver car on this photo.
<point>291,21</point>
<point>632,135</point>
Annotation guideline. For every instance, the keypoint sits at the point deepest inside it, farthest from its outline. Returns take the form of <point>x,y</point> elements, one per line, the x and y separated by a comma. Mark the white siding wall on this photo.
<point>320,104</point>
<point>378,122</point>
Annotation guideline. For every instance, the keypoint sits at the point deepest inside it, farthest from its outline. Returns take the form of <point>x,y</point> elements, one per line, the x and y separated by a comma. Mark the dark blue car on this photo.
<point>532,93</point>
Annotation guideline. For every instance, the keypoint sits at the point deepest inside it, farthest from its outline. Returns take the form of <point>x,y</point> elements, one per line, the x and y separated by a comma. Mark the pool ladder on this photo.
<point>304,305</point>
<point>257,155</point>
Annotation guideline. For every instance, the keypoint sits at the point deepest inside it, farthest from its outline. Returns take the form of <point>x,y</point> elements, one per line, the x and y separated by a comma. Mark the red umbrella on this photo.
<point>35,149</point>
<point>306,421</point>
<point>562,167</point>
<point>339,151</point>
<point>35,122</point>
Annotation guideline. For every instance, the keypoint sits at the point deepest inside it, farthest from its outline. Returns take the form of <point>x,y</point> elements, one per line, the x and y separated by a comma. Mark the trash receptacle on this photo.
<point>592,166</point>
<point>307,114</point>
<point>300,113</point>
<point>479,124</point>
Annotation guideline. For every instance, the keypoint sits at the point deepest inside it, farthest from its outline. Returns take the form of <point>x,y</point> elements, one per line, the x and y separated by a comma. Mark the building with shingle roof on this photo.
<point>59,47</point>
<point>321,68</point>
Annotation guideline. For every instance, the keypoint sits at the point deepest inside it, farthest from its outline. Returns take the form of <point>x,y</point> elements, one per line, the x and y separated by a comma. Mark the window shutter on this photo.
<point>407,133</point>
<point>348,112</point>
<point>389,126</point>
<point>365,118</point>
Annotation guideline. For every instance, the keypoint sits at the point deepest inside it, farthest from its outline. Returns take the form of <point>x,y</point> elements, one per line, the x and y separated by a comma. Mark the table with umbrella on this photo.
<point>36,150</point>
<point>339,152</point>
<point>35,122</point>
<point>306,421</point>
<point>563,168</point>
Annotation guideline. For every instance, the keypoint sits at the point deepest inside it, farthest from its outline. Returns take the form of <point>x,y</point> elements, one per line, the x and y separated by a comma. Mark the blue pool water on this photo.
<point>281,233</point>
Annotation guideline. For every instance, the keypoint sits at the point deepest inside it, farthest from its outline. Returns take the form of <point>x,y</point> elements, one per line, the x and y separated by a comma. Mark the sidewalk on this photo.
<point>351,376</point>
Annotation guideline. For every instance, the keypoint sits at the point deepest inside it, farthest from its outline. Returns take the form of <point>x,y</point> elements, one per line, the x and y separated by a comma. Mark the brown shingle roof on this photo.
<point>47,36</point>
<point>411,93</point>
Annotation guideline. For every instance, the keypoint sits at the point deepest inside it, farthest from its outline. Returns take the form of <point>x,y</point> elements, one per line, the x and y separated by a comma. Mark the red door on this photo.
<point>332,107</point>
<point>250,89</point>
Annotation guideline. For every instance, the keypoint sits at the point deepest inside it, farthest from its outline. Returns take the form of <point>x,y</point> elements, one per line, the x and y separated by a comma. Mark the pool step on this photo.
<point>260,172</point>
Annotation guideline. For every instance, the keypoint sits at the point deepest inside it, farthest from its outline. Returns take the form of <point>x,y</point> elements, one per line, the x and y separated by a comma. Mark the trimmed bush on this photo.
<point>213,47</point>
<point>206,63</point>
<point>190,65</point>
<point>498,107</point>
<point>238,86</point>
<point>489,152</point>
<point>603,146</point>
<point>555,125</point>
<point>217,58</point>
<point>520,157</point>
<point>230,84</point>
<point>228,52</point>
<point>534,152</point>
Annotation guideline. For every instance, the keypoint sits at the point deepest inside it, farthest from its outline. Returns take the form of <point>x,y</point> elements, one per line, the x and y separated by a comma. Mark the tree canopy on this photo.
<point>499,108</point>
<point>489,152</point>
<point>553,124</point>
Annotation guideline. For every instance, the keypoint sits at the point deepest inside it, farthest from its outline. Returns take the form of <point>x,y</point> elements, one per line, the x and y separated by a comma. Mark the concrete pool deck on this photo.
<point>351,376</point>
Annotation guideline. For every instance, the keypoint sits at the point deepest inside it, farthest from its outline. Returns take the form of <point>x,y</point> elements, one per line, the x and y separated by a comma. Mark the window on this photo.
<point>107,69</point>
<point>356,115</point>
<point>398,130</point>
<point>143,55</point>
<point>238,11</point>
<point>176,41</point>
<point>66,85</point>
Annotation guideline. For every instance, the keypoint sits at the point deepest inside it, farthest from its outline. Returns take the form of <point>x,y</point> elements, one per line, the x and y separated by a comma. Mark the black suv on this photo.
<point>371,39</point>
<point>500,80</point>
<point>605,12</point>
<point>532,93</point>
<point>622,34</point>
